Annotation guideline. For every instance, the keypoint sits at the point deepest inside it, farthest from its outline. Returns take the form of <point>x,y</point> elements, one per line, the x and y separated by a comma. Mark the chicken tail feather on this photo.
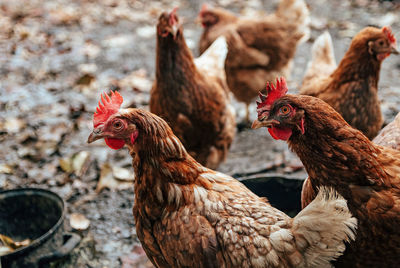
<point>212,61</point>
<point>322,51</point>
<point>322,63</point>
<point>322,228</point>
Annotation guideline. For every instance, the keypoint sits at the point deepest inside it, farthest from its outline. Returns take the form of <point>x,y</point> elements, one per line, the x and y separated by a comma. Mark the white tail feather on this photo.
<point>212,61</point>
<point>323,227</point>
<point>323,57</point>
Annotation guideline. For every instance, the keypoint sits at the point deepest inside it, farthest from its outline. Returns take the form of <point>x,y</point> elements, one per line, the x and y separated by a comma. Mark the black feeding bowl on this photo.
<point>38,215</point>
<point>284,193</point>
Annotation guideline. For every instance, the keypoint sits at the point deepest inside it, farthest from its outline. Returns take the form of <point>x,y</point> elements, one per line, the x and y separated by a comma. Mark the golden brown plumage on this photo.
<point>337,155</point>
<point>258,49</point>
<point>189,216</point>
<point>351,88</point>
<point>195,102</point>
<point>389,137</point>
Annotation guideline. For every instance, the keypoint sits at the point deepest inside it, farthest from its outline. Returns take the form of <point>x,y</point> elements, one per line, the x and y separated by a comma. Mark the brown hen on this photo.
<point>258,49</point>
<point>187,215</point>
<point>352,87</point>
<point>194,101</point>
<point>337,155</point>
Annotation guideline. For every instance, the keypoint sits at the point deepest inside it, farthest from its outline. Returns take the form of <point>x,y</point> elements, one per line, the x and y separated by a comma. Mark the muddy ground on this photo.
<point>56,57</point>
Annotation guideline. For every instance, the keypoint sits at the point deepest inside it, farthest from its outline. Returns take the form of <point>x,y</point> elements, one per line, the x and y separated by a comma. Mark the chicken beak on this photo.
<point>394,50</point>
<point>95,135</point>
<point>262,122</point>
<point>174,30</point>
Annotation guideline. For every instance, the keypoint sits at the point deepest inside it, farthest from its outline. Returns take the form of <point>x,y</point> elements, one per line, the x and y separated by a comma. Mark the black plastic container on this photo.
<point>38,215</point>
<point>284,193</point>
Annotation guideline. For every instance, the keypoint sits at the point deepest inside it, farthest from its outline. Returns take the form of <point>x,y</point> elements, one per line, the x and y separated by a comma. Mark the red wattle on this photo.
<point>280,133</point>
<point>114,143</point>
<point>272,134</point>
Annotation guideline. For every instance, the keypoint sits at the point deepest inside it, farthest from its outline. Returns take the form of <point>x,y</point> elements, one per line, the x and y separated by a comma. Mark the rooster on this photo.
<point>351,88</point>
<point>187,215</point>
<point>258,49</point>
<point>337,155</point>
<point>194,100</point>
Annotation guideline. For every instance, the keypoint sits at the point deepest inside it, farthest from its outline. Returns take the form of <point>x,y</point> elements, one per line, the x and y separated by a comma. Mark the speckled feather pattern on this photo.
<point>190,216</point>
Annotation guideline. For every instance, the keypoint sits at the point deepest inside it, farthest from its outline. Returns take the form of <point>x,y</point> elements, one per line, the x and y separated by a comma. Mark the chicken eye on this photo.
<point>381,43</point>
<point>284,110</point>
<point>164,33</point>
<point>118,125</point>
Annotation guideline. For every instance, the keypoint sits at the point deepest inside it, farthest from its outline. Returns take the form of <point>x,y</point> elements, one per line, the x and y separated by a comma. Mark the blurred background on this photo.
<point>57,56</point>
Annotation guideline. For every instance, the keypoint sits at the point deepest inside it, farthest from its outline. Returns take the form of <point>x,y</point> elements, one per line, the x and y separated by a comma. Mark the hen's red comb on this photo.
<point>273,93</point>
<point>107,107</point>
<point>172,17</point>
<point>388,31</point>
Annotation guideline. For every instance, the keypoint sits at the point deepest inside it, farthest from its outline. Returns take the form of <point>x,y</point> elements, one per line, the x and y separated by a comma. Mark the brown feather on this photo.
<point>352,88</point>
<point>258,49</point>
<point>365,174</point>
<point>195,105</point>
<point>187,215</point>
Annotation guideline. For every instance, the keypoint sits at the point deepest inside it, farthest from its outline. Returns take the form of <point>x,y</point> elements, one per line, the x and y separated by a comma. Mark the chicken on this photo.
<point>389,136</point>
<point>352,87</point>
<point>258,49</point>
<point>187,215</point>
<point>193,100</point>
<point>337,155</point>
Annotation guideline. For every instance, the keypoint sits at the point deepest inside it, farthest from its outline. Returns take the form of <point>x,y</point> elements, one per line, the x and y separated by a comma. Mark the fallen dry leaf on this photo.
<point>65,164</point>
<point>123,174</point>
<point>80,162</point>
<point>85,80</point>
<point>6,169</point>
<point>13,125</point>
<point>13,245</point>
<point>77,163</point>
<point>79,221</point>
<point>108,180</point>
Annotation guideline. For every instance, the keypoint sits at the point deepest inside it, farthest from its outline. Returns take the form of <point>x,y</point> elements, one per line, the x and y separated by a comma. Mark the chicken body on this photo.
<point>352,87</point>
<point>388,137</point>
<point>258,49</point>
<point>194,101</point>
<point>336,155</point>
<point>187,215</point>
